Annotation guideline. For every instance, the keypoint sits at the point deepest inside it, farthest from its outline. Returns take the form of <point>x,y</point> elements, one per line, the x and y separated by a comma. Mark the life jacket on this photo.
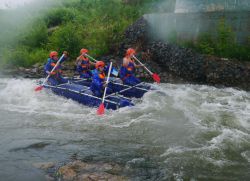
<point>101,76</point>
<point>97,80</point>
<point>85,65</point>
<point>57,70</point>
<point>130,69</point>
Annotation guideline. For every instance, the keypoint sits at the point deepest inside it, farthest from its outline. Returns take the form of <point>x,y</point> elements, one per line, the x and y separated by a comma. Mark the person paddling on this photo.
<point>83,64</point>
<point>128,69</point>
<point>55,76</point>
<point>98,80</point>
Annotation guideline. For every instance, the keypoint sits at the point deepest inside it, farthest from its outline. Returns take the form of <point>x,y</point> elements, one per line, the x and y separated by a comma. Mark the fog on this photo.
<point>8,4</point>
<point>15,15</point>
<point>191,18</point>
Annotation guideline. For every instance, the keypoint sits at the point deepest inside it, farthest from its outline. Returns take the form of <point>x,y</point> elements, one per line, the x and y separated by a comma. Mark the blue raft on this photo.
<point>83,95</point>
<point>136,91</point>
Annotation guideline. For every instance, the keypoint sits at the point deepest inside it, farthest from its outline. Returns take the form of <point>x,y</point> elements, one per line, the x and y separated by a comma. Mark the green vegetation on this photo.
<point>71,25</point>
<point>94,24</point>
<point>223,44</point>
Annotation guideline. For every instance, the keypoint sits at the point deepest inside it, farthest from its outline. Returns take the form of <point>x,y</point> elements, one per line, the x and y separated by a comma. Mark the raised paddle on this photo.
<point>154,75</point>
<point>41,86</point>
<point>101,108</point>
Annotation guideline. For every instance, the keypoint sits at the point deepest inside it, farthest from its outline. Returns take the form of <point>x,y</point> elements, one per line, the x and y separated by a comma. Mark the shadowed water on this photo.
<point>180,132</point>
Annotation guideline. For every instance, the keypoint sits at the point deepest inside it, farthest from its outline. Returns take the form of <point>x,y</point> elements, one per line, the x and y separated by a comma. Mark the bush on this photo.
<point>37,36</point>
<point>23,57</point>
<point>69,37</point>
<point>205,44</point>
<point>223,44</point>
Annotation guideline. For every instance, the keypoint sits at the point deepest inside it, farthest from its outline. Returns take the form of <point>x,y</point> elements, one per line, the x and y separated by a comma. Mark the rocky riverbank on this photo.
<point>35,71</point>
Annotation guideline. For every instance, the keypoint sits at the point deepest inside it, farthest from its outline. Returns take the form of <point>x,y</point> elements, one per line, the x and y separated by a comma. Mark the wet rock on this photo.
<point>44,165</point>
<point>67,173</point>
<point>34,70</point>
<point>21,68</point>
<point>36,65</point>
<point>100,176</point>
<point>78,170</point>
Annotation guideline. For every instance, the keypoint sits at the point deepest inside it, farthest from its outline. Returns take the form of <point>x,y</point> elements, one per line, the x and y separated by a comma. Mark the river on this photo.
<point>180,132</point>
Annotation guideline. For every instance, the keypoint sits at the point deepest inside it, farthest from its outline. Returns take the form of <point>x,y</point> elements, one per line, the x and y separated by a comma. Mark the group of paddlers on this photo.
<point>98,75</point>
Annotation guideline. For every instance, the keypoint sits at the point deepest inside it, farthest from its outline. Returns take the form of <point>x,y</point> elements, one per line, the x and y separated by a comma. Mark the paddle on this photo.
<point>101,108</point>
<point>113,71</point>
<point>154,75</point>
<point>39,88</point>
<point>85,54</point>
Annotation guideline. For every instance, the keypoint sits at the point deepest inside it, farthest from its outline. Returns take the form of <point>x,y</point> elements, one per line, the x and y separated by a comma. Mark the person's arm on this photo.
<point>47,67</point>
<point>125,62</point>
<point>78,61</point>
<point>136,66</point>
<point>66,54</point>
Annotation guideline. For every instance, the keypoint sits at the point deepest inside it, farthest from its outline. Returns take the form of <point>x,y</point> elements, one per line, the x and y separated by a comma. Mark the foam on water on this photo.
<point>188,125</point>
<point>203,107</point>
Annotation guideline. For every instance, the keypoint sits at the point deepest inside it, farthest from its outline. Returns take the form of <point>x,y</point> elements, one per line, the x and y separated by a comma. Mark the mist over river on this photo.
<point>179,132</point>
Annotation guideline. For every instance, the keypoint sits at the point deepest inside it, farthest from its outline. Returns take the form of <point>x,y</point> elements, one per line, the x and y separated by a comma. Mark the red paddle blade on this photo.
<point>38,88</point>
<point>156,78</point>
<point>101,109</point>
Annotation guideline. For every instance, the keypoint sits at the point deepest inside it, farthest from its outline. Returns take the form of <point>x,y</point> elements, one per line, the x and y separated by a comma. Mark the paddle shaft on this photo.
<point>151,73</point>
<point>105,90</point>
<point>53,69</point>
<point>85,54</point>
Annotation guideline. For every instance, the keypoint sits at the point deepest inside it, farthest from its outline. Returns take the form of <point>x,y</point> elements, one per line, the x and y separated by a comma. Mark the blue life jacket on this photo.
<point>98,79</point>
<point>50,65</point>
<point>127,71</point>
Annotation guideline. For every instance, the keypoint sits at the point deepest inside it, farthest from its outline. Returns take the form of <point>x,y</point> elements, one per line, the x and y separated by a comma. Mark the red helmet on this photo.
<point>130,52</point>
<point>83,50</point>
<point>99,64</point>
<point>52,54</point>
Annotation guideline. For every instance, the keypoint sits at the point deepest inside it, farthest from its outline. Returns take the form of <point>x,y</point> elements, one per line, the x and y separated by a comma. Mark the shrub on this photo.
<point>23,57</point>
<point>222,44</point>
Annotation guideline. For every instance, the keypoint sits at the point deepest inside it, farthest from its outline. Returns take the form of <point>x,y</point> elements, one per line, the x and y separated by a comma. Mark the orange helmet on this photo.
<point>83,50</point>
<point>99,64</point>
<point>130,52</point>
<point>52,54</point>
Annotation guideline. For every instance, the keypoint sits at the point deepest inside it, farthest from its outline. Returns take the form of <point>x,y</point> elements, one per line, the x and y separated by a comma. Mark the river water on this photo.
<point>180,132</point>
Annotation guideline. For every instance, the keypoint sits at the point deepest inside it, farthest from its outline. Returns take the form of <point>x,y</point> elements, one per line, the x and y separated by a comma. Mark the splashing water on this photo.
<point>178,132</point>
